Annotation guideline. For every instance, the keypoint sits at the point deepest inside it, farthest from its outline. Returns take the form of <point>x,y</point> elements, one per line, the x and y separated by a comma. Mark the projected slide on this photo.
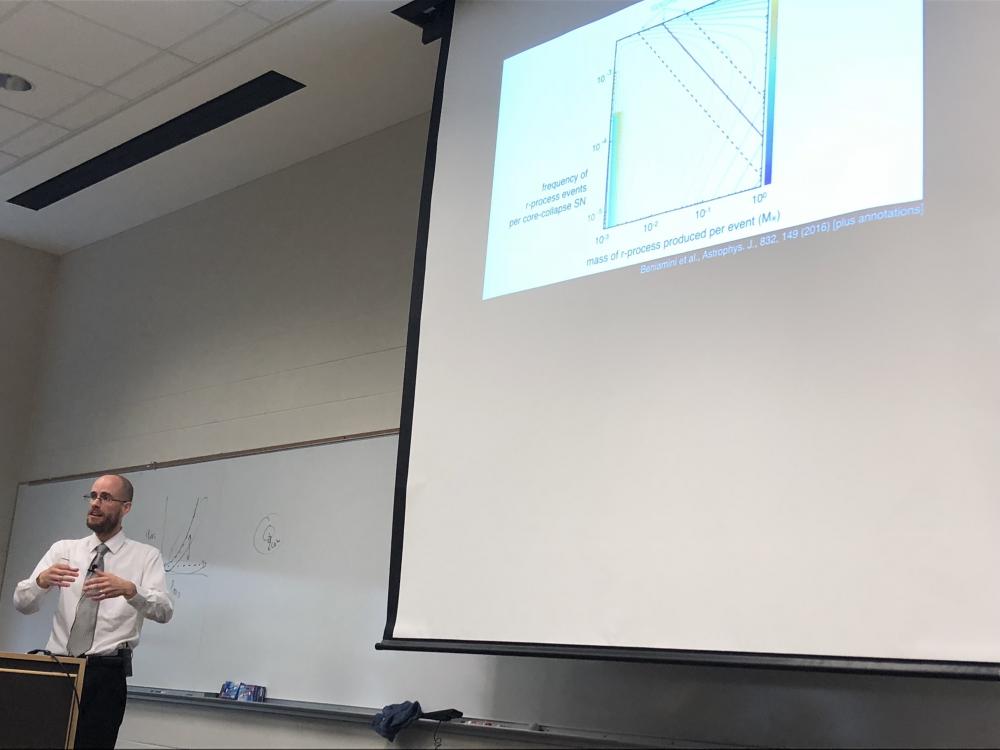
<point>677,131</point>
<point>688,110</point>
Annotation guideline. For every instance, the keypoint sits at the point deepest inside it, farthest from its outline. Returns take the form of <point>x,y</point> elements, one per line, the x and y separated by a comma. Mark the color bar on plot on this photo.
<point>772,54</point>
<point>614,150</point>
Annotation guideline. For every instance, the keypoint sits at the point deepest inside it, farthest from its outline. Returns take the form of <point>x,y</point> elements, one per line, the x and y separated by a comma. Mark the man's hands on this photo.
<point>103,585</point>
<point>60,574</point>
<point>99,586</point>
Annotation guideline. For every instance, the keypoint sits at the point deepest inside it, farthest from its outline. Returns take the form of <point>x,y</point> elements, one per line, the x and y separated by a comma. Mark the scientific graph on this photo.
<point>692,110</point>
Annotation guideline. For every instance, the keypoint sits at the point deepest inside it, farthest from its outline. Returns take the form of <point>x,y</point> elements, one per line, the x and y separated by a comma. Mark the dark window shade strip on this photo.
<point>215,113</point>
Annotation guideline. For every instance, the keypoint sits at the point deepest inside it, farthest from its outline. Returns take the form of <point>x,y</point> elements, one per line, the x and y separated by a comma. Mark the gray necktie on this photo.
<point>81,635</point>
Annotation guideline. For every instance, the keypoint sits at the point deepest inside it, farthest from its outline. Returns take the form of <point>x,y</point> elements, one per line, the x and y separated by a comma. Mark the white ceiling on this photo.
<point>105,71</point>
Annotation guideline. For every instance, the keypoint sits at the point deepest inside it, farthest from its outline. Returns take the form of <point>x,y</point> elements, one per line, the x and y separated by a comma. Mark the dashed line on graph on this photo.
<point>725,55</point>
<point>696,101</point>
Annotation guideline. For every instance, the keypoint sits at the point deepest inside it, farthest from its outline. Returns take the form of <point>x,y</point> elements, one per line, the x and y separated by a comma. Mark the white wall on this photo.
<point>25,288</point>
<point>270,314</point>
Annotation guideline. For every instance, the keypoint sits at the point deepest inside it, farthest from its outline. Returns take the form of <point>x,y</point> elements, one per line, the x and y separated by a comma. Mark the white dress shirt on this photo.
<point>119,620</point>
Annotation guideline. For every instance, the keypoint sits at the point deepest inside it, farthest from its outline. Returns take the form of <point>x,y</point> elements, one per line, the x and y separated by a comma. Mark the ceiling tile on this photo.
<point>158,71</point>
<point>54,38</point>
<point>12,123</point>
<point>226,35</point>
<point>51,91</point>
<point>160,22</point>
<point>6,160</point>
<point>275,10</point>
<point>7,7</point>
<point>97,105</point>
<point>34,140</point>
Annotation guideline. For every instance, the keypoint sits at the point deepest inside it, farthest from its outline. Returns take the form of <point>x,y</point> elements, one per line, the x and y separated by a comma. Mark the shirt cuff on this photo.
<point>141,598</point>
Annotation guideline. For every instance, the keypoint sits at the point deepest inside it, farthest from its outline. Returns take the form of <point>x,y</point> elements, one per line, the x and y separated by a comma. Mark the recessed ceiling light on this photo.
<point>11,82</point>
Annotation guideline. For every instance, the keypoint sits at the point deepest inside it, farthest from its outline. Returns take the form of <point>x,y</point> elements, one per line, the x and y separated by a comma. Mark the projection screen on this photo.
<point>709,337</point>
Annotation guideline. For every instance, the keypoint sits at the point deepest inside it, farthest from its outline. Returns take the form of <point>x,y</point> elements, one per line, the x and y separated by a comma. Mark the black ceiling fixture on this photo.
<point>213,114</point>
<point>429,15</point>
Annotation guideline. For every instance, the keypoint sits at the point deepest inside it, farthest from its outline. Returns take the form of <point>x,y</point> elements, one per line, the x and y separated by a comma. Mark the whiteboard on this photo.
<point>278,565</point>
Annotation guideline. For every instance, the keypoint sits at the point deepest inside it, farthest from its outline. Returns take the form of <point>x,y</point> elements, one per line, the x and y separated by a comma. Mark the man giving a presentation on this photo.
<point>108,584</point>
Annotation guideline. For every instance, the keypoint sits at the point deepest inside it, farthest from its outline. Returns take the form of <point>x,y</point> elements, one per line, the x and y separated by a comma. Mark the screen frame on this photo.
<point>781,661</point>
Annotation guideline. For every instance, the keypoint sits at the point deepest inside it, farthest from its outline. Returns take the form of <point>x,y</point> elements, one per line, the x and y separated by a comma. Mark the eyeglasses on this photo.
<point>103,497</point>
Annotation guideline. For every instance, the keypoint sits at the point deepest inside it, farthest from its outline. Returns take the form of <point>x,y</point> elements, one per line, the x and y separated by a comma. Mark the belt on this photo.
<point>120,659</point>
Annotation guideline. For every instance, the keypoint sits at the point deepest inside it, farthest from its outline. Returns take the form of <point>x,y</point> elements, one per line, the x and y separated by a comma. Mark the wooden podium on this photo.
<point>41,699</point>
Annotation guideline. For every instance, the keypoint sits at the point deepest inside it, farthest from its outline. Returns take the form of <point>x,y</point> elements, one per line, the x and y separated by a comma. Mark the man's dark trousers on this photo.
<point>102,704</point>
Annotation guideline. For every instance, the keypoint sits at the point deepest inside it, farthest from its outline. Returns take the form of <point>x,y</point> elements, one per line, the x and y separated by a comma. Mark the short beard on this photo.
<point>103,526</point>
